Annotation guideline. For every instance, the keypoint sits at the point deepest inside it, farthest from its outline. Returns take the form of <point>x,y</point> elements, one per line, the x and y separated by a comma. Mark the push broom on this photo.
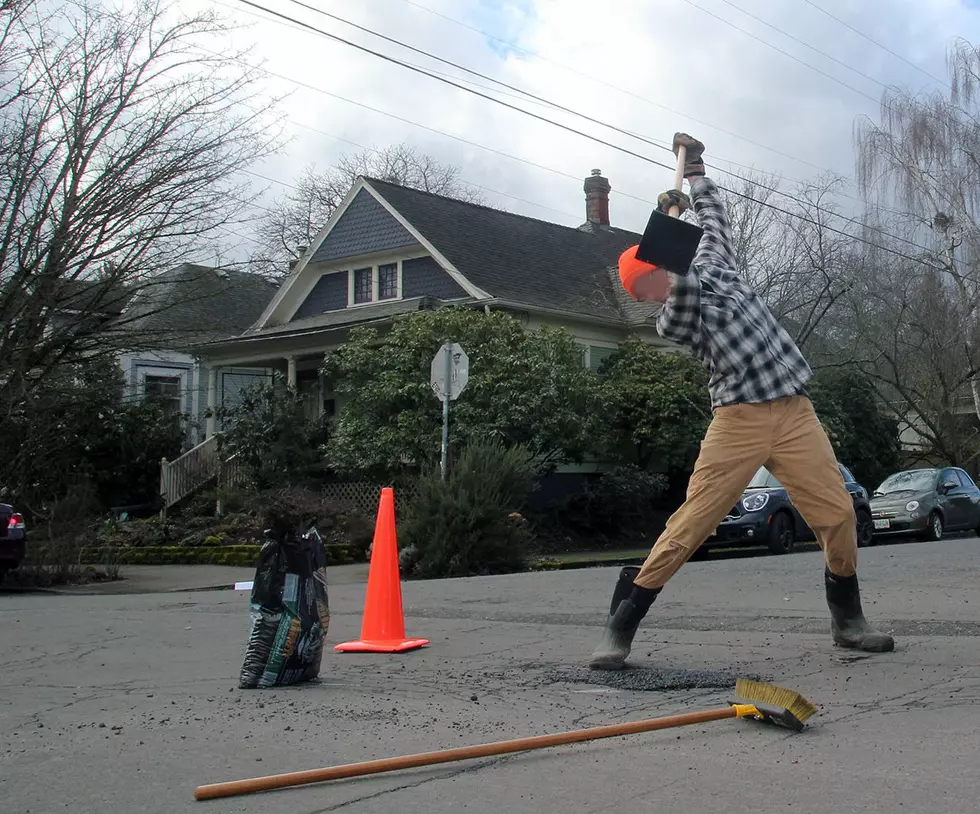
<point>754,699</point>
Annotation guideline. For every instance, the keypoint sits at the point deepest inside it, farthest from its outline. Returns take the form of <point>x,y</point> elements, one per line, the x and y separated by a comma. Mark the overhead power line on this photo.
<point>716,158</point>
<point>525,94</point>
<point>622,90</point>
<point>883,47</point>
<point>804,43</point>
<point>783,51</point>
<point>611,145</point>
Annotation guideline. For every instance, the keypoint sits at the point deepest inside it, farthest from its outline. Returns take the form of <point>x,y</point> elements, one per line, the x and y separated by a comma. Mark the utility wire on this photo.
<point>630,93</point>
<point>783,52</point>
<point>427,128</point>
<point>860,33</point>
<point>570,69</point>
<point>804,44</point>
<point>716,158</point>
<point>467,182</point>
<point>526,94</point>
<point>605,143</point>
<point>601,123</point>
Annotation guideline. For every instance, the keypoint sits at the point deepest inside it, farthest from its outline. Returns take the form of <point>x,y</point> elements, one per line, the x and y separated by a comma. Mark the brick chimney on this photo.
<point>597,199</point>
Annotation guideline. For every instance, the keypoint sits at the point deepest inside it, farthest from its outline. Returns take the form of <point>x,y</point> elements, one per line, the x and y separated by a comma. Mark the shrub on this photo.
<point>469,523</point>
<point>268,430</point>
<point>623,502</point>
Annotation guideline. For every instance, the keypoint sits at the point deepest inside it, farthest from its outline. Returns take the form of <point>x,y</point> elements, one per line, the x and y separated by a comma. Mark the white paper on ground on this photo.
<point>243,586</point>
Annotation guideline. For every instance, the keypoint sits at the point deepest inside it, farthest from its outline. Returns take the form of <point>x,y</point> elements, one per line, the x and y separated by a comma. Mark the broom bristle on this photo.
<point>800,707</point>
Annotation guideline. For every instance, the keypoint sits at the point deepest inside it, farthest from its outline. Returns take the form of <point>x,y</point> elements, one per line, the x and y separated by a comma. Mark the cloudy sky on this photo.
<point>782,101</point>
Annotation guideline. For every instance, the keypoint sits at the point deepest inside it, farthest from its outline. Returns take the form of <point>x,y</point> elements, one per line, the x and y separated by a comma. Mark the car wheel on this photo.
<point>934,531</point>
<point>865,529</point>
<point>781,536</point>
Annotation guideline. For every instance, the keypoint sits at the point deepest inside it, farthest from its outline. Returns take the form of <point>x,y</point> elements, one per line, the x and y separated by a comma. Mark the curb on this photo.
<point>561,565</point>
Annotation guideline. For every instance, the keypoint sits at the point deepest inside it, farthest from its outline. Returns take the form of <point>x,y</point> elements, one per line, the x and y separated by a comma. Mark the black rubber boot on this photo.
<point>848,625</point>
<point>630,604</point>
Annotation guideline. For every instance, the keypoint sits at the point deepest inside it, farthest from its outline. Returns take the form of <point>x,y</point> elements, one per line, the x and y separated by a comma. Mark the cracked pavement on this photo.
<point>126,703</point>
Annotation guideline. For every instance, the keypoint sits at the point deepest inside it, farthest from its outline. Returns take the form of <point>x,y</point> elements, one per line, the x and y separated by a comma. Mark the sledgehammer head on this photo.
<point>772,704</point>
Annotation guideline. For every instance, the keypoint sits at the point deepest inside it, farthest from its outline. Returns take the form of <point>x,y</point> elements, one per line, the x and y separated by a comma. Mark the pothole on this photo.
<point>649,680</point>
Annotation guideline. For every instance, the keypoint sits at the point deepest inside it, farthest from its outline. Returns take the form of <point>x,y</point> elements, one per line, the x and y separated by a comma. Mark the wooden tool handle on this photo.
<point>278,781</point>
<point>679,176</point>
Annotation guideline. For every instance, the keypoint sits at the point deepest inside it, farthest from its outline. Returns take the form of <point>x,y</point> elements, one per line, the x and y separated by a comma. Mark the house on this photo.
<point>173,314</point>
<point>389,250</point>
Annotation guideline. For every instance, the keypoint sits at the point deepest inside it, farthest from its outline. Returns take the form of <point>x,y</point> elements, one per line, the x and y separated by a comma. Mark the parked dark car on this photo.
<point>926,502</point>
<point>765,515</point>
<point>13,539</point>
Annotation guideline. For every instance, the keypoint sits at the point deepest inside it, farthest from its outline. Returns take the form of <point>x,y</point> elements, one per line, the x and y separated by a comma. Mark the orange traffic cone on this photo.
<point>383,627</point>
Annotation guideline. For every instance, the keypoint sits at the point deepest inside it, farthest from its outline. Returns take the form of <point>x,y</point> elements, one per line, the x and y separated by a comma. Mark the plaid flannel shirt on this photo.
<point>750,358</point>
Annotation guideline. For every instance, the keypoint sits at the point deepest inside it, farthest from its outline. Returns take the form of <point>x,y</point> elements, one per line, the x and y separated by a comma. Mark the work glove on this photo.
<point>693,163</point>
<point>673,197</point>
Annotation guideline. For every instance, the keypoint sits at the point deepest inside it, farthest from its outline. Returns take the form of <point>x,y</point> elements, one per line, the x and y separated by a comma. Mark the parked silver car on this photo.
<point>926,502</point>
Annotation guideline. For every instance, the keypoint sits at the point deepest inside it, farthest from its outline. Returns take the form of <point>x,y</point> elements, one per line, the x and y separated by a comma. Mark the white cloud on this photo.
<point>735,93</point>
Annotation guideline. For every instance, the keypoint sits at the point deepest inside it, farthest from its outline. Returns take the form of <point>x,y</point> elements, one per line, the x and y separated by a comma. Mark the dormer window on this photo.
<point>375,283</point>
<point>388,281</point>
<point>363,285</point>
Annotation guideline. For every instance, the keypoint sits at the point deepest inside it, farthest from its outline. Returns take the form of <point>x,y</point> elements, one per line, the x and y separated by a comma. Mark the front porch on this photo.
<point>295,357</point>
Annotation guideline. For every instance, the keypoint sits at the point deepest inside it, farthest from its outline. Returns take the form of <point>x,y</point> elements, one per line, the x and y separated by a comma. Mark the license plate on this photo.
<point>882,524</point>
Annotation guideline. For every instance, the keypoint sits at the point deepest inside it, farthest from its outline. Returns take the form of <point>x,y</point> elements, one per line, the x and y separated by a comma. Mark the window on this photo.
<point>388,281</point>
<point>598,355</point>
<point>965,480</point>
<point>363,285</point>
<point>165,390</point>
<point>845,472</point>
<point>375,284</point>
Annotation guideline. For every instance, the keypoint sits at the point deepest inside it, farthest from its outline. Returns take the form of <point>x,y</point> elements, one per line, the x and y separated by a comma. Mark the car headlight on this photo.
<point>755,503</point>
<point>912,505</point>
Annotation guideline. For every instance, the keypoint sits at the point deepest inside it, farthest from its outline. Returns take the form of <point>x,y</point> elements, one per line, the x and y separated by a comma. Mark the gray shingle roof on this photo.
<point>517,258</point>
<point>192,304</point>
<point>351,316</point>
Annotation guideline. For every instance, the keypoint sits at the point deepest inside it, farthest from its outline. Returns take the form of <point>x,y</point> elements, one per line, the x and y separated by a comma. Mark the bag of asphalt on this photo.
<point>289,612</point>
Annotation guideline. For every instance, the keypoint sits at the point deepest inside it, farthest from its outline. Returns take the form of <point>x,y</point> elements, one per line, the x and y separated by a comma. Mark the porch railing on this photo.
<point>188,473</point>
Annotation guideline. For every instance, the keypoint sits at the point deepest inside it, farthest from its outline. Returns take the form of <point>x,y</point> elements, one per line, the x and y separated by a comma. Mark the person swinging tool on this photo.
<point>761,413</point>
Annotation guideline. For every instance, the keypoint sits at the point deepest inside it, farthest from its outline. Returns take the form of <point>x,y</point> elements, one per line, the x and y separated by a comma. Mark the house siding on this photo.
<point>423,277</point>
<point>364,228</point>
<point>329,294</point>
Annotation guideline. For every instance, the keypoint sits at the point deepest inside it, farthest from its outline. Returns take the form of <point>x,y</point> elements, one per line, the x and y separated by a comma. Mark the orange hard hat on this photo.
<point>631,270</point>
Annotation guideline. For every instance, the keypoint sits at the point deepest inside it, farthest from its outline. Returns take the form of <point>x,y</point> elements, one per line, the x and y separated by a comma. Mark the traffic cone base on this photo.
<point>383,626</point>
<point>396,646</point>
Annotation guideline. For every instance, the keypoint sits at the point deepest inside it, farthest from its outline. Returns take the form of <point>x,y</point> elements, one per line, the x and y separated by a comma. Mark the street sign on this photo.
<point>455,369</point>
<point>448,375</point>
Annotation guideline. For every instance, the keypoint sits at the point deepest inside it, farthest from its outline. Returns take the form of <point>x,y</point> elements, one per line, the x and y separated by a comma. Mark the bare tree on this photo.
<point>792,250</point>
<point>906,328</point>
<point>299,216</point>
<point>121,146</point>
<point>924,156</point>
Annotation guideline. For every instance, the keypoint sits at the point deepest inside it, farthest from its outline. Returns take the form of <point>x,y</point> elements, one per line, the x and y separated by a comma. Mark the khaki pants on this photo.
<point>787,438</point>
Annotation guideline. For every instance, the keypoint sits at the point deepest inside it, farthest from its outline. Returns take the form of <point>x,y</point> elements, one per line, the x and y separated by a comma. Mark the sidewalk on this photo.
<point>155,579</point>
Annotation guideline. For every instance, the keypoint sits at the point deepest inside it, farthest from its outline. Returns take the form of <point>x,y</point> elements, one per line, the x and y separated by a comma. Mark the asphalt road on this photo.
<point>125,703</point>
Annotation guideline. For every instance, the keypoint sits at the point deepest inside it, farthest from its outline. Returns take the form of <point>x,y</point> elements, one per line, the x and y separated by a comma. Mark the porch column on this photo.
<point>212,424</point>
<point>291,372</point>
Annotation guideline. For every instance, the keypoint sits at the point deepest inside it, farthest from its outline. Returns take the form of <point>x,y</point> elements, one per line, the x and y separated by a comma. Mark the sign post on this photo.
<point>449,373</point>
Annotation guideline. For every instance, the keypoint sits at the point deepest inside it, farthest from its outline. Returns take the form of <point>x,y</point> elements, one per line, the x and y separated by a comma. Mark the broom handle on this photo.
<point>679,176</point>
<point>278,781</point>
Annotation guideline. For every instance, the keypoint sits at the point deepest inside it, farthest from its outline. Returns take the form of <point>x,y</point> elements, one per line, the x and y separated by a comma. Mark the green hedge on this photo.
<point>239,555</point>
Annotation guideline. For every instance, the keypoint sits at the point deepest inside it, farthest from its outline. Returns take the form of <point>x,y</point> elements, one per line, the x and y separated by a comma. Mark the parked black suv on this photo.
<point>765,515</point>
